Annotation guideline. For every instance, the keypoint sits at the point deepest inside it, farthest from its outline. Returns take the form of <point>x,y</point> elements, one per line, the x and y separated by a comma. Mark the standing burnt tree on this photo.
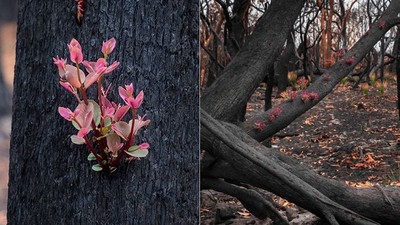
<point>233,152</point>
<point>50,178</point>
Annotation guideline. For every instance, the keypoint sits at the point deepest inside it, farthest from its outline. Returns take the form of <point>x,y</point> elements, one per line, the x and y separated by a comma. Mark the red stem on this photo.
<point>128,143</point>
<point>91,149</point>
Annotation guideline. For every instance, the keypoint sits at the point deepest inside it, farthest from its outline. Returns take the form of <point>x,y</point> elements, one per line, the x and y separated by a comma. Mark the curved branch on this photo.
<point>250,199</point>
<point>249,154</point>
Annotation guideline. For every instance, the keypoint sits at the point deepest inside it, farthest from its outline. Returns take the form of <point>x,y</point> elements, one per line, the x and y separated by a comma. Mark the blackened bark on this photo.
<point>50,179</point>
<point>398,69</point>
<point>238,26</point>
<point>231,91</point>
<point>284,63</point>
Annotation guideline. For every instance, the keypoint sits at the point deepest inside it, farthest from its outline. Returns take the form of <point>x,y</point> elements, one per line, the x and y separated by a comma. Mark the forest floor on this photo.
<point>348,136</point>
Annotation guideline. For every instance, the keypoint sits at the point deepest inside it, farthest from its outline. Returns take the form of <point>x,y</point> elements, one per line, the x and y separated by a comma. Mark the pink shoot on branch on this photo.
<point>60,64</point>
<point>127,95</point>
<point>108,47</point>
<point>314,96</point>
<point>275,112</point>
<point>71,75</point>
<point>139,123</point>
<point>85,115</point>
<point>67,113</point>
<point>114,143</point>
<point>75,51</point>
<point>120,112</point>
<point>122,128</point>
<point>68,86</point>
<point>144,146</point>
<point>136,102</point>
<point>350,61</point>
<point>305,96</point>
<point>293,95</point>
<point>340,53</point>
<point>302,82</point>
<point>83,132</point>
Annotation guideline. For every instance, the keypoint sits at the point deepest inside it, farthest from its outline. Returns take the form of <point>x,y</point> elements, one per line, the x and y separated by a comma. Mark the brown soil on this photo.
<point>348,136</point>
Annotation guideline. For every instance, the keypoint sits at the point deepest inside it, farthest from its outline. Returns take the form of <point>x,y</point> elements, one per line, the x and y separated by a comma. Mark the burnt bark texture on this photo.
<point>248,69</point>
<point>51,181</point>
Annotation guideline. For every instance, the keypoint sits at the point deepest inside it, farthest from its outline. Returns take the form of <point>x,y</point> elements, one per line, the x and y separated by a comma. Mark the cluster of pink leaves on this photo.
<point>113,137</point>
<point>259,125</point>
<point>302,82</point>
<point>306,96</point>
<point>275,112</point>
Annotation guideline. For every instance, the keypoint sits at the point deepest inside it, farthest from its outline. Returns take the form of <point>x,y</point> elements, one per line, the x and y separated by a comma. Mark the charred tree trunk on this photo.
<point>50,179</point>
<point>247,69</point>
<point>283,64</point>
<point>398,69</point>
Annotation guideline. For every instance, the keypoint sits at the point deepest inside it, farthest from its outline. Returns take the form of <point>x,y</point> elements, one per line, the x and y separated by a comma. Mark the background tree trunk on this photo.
<point>50,179</point>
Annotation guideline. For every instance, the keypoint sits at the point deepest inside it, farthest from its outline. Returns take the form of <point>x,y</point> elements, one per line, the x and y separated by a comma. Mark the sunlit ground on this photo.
<point>7,52</point>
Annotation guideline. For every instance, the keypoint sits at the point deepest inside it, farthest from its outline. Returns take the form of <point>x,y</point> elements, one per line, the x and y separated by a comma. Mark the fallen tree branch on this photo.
<point>251,200</point>
<point>365,201</point>
<point>247,153</point>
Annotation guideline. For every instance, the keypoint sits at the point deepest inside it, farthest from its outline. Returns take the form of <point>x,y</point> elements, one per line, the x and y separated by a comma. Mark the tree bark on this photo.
<point>247,70</point>
<point>51,181</point>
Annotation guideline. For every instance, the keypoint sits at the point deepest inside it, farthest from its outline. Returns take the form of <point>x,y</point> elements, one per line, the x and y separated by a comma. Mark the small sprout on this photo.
<point>344,81</point>
<point>381,86</point>
<point>350,60</point>
<point>365,88</point>
<point>292,76</point>
<point>289,95</point>
<point>293,95</point>
<point>259,125</point>
<point>302,83</point>
<point>305,96</point>
<point>314,96</point>
<point>340,53</point>
<point>275,112</point>
<point>372,79</point>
